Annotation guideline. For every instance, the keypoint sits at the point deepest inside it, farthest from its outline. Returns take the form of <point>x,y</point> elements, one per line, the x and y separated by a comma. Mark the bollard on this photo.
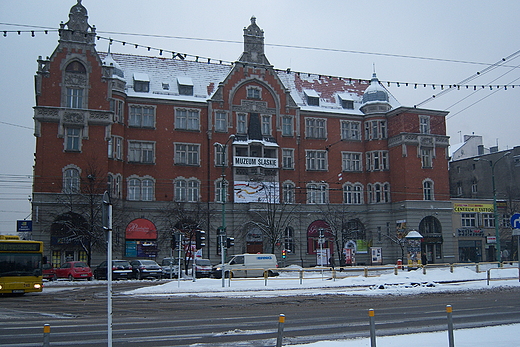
<point>301,276</point>
<point>266,274</point>
<point>477,268</point>
<point>366,271</point>
<point>396,272</point>
<point>451,268</point>
<point>424,269</point>
<point>400,263</point>
<point>488,276</point>
<point>281,323</point>
<point>372,327</point>
<point>449,310</point>
<point>46,335</point>
<point>334,274</point>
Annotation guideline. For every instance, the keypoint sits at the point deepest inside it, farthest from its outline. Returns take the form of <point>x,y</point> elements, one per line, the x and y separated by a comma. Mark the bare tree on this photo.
<point>273,217</point>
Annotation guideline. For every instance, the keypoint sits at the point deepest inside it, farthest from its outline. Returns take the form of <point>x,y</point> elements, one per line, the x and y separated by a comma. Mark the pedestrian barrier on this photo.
<point>330,273</point>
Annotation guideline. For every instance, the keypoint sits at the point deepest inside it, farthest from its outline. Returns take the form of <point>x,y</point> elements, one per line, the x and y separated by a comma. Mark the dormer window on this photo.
<point>141,82</point>
<point>346,102</point>
<point>185,85</point>
<point>313,98</point>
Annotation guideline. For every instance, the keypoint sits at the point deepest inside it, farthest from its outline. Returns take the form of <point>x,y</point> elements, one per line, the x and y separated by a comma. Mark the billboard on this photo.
<point>246,191</point>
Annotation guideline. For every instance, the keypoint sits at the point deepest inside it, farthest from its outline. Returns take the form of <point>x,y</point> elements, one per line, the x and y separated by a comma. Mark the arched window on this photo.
<point>352,193</point>
<point>193,190</point>
<point>76,67</point>
<point>71,181</point>
<point>180,190</point>
<point>147,190</point>
<point>134,189</point>
<point>428,189</point>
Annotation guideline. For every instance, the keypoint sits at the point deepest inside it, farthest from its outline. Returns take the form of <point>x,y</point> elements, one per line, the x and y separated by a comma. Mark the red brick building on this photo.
<point>292,155</point>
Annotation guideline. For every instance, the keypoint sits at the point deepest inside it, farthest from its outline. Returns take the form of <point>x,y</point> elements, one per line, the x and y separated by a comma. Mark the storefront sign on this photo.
<point>463,232</point>
<point>463,208</point>
<point>141,229</point>
<point>491,239</point>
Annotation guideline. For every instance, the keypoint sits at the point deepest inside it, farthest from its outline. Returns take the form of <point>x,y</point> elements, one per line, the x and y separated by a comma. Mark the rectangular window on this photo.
<point>426,157</point>
<point>469,219</point>
<point>221,122</point>
<point>116,106</point>
<point>115,148</point>
<point>351,161</point>
<point>350,130</point>
<point>287,126</point>
<point>424,124</point>
<point>375,129</point>
<point>186,154</point>
<point>377,161</point>
<point>141,116</point>
<point>147,190</point>
<point>241,123</point>
<point>72,140</point>
<point>488,220</point>
<point>288,158</point>
<point>187,119</point>
<point>316,160</point>
<point>253,93</point>
<point>141,152</point>
<point>266,125</point>
<point>315,128</point>
<point>74,98</point>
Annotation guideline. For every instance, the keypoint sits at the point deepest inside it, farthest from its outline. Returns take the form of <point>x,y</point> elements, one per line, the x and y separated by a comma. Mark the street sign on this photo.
<point>515,221</point>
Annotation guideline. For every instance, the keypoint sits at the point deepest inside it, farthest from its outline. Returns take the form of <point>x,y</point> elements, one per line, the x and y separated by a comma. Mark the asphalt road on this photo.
<point>78,317</point>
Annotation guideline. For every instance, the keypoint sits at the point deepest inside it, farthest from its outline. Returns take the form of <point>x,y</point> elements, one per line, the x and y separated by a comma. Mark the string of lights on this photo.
<point>443,87</point>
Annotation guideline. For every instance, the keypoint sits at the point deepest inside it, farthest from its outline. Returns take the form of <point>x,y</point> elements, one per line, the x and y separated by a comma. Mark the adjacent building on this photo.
<point>313,165</point>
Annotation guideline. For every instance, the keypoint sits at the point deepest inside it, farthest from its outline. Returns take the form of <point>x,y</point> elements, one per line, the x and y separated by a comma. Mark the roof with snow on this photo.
<point>165,76</point>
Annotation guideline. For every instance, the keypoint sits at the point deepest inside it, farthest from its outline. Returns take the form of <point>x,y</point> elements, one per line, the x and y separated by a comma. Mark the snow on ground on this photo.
<point>383,282</point>
<point>316,283</point>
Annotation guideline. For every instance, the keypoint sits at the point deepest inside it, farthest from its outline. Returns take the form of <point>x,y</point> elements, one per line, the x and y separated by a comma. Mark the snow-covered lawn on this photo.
<point>463,278</point>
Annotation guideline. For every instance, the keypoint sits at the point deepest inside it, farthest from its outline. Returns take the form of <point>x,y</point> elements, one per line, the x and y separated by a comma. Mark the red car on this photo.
<point>74,270</point>
<point>49,272</point>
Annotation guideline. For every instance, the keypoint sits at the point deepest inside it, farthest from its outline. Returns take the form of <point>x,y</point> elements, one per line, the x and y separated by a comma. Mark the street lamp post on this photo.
<point>492,164</point>
<point>223,236</point>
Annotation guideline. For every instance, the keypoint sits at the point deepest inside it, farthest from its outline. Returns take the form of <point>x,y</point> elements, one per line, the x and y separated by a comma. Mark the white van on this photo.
<point>248,265</point>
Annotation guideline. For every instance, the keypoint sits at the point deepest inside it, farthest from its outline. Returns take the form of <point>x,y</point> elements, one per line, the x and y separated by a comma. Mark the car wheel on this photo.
<point>54,277</point>
<point>89,278</point>
<point>71,278</point>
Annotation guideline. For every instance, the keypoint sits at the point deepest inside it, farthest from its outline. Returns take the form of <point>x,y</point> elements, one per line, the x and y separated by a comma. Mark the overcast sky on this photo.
<point>425,42</point>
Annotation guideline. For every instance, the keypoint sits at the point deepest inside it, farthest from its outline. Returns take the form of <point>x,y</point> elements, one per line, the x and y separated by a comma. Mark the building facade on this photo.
<point>475,184</point>
<point>318,166</point>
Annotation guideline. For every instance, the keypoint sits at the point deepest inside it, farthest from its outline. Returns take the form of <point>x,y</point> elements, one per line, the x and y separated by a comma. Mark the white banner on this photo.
<point>256,192</point>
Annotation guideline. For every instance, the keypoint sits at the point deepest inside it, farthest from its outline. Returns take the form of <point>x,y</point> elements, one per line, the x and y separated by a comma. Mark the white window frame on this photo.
<point>427,158</point>
<point>351,161</point>
<point>289,192</point>
<point>141,116</point>
<point>241,123</point>
<point>221,121</point>
<point>375,130</point>
<point>73,139</point>
<point>468,219</point>
<point>315,128</point>
<point>353,193</point>
<point>428,190</point>
<point>316,160</point>
<point>71,180</point>
<point>254,92</point>
<point>350,130</point>
<point>266,125</point>
<point>424,124</point>
<point>141,152</point>
<point>287,126</point>
<point>287,158</point>
<point>317,193</point>
<point>187,154</point>
<point>187,119</point>
<point>74,97</point>
<point>377,161</point>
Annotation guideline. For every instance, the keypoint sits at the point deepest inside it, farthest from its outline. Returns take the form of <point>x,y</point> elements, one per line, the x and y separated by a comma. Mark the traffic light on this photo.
<point>230,242</point>
<point>200,239</point>
<point>284,254</point>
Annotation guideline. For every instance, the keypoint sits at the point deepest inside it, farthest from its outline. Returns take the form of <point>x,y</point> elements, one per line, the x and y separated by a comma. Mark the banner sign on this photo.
<point>246,191</point>
<point>462,208</point>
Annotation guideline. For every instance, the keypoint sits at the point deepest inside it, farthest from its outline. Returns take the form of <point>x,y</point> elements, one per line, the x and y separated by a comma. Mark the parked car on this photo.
<point>121,269</point>
<point>49,273</point>
<point>74,270</point>
<point>170,267</point>
<point>203,267</point>
<point>145,268</point>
